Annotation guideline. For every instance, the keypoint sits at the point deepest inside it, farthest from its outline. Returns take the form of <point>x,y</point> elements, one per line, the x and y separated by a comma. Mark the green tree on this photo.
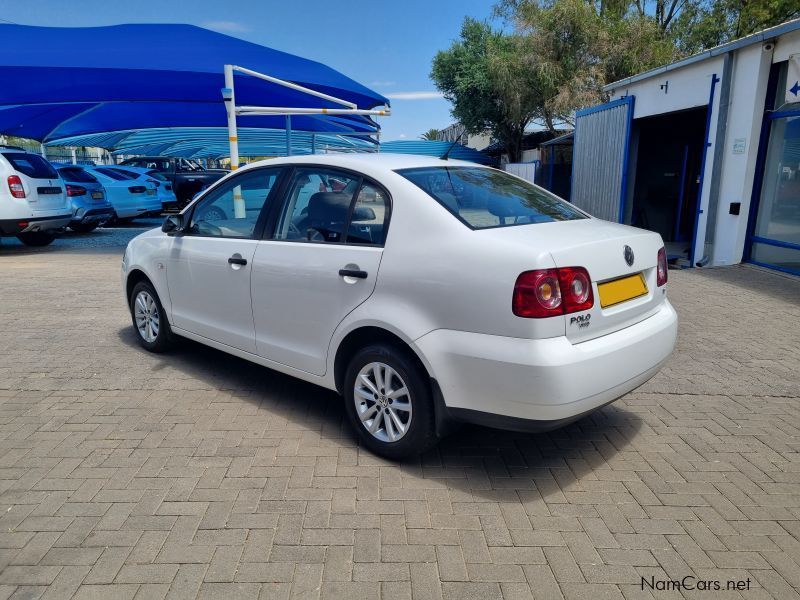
<point>430,135</point>
<point>487,77</point>
<point>705,24</point>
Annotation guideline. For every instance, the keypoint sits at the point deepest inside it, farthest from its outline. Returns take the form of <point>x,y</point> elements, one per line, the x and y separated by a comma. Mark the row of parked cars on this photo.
<point>38,198</point>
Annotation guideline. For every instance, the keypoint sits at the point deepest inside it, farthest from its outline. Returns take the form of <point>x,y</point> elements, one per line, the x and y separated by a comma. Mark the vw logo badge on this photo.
<point>627,252</point>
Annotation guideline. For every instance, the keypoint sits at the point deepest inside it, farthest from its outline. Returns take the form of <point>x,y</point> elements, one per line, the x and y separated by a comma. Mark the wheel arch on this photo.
<point>363,336</point>
<point>133,277</point>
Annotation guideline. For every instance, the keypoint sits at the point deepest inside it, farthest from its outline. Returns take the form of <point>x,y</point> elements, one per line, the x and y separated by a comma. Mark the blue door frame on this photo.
<point>758,180</point>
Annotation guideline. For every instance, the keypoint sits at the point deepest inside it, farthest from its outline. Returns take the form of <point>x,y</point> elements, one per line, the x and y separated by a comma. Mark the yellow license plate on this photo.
<point>621,290</point>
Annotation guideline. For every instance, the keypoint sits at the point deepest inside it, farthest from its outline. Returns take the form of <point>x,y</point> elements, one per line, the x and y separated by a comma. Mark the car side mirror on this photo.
<point>173,225</point>
<point>363,213</point>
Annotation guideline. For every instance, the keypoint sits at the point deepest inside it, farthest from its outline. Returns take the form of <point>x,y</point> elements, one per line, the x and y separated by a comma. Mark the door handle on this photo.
<point>352,273</point>
<point>237,260</point>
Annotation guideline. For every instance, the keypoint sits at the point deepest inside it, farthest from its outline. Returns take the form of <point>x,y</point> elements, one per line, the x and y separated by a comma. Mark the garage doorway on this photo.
<point>668,163</point>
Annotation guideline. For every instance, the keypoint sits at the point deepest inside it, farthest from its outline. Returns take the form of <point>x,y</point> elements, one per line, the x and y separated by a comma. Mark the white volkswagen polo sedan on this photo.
<point>424,291</point>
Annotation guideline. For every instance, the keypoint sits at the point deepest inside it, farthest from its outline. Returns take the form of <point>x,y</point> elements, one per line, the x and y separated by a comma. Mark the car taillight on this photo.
<point>661,268</point>
<point>75,190</point>
<point>137,189</point>
<point>552,292</point>
<point>15,186</point>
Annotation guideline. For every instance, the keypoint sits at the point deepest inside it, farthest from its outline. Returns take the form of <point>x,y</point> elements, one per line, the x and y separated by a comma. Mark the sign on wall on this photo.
<point>793,79</point>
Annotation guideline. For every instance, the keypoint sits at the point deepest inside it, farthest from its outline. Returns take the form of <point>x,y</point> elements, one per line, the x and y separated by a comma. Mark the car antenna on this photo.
<point>447,152</point>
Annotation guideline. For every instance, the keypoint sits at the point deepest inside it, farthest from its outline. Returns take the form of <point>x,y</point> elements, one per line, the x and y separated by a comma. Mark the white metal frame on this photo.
<point>229,97</point>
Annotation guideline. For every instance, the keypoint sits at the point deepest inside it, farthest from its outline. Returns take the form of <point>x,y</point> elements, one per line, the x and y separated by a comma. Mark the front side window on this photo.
<point>482,198</point>
<point>232,209</point>
<point>317,205</point>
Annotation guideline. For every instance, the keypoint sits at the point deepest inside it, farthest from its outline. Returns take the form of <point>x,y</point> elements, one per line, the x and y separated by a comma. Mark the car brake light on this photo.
<point>137,189</point>
<point>552,292</point>
<point>15,186</point>
<point>75,190</point>
<point>661,268</point>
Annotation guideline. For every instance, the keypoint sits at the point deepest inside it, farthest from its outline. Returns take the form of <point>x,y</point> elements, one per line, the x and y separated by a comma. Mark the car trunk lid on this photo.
<point>623,294</point>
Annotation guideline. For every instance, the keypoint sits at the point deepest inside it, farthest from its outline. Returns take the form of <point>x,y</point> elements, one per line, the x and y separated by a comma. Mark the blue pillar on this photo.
<point>313,143</point>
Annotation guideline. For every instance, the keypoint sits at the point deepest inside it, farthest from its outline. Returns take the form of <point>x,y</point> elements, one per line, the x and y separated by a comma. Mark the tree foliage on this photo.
<point>430,135</point>
<point>486,77</point>
<point>560,53</point>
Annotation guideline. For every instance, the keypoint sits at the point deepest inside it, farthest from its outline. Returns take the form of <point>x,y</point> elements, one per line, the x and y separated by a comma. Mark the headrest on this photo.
<point>328,207</point>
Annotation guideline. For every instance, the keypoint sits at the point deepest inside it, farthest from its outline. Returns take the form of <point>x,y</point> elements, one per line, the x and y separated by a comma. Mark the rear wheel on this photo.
<point>36,238</point>
<point>149,319</point>
<point>388,401</point>
<point>84,227</point>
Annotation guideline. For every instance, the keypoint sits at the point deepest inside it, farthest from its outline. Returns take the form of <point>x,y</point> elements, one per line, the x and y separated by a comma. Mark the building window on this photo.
<point>776,235</point>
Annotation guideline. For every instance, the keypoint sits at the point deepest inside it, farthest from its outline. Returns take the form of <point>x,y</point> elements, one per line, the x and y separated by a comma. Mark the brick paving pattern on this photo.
<point>198,475</point>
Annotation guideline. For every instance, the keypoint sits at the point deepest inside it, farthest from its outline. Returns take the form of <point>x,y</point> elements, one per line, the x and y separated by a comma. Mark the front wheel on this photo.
<point>388,401</point>
<point>149,319</point>
<point>36,238</point>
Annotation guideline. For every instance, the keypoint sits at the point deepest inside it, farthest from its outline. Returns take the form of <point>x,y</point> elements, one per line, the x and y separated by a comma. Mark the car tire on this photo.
<point>36,238</point>
<point>414,423</point>
<point>84,227</point>
<point>147,311</point>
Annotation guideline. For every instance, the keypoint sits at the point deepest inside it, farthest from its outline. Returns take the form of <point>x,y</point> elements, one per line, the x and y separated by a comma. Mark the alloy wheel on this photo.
<point>383,402</point>
<point>145,312</point>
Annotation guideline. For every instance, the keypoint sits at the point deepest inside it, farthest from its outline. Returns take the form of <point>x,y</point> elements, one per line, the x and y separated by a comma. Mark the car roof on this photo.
<point>374,161</point>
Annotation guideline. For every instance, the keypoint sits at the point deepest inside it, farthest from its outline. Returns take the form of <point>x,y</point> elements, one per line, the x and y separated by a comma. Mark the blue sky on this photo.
<point>387,46</point>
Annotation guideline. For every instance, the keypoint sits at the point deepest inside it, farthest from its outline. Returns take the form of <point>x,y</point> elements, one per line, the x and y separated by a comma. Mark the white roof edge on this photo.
<point>755,38</point>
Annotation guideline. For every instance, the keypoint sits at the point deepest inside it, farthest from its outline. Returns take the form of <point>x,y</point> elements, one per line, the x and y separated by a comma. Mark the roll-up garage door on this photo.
<point>601,158</point>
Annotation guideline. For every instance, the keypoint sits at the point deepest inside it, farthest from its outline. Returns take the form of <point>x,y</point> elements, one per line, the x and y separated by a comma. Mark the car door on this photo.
<point>209,266</point>
<point>320,263</point>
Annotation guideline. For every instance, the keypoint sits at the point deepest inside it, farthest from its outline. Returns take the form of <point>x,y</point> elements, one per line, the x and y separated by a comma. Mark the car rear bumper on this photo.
<point>15,226</point>
<point>92,215</point>
<point>524,384</point>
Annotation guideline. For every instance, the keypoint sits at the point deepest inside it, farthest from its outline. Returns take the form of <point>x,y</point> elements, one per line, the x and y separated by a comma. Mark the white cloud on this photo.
<point>415,95</point>
<point>382,83</point>
<point>402,136</point>
<point>226,26</point>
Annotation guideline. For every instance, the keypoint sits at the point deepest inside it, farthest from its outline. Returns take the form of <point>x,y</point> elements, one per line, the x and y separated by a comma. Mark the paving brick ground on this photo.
<point>198,475</point>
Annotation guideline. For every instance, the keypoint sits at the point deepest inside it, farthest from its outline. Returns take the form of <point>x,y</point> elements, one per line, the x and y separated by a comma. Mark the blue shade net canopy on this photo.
<point>157,77</point>
<point>436,148</point>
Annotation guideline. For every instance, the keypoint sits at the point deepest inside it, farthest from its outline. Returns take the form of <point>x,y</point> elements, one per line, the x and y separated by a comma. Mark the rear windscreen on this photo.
<point>31,165</point>
<point>113,174</point>
<point>77,176</point>
<point>482,198</point>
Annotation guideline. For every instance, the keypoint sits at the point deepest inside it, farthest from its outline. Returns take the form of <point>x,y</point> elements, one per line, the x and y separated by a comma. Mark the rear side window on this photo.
<point>483,198</point>
<point>31,165</point>
<point>77,176</point>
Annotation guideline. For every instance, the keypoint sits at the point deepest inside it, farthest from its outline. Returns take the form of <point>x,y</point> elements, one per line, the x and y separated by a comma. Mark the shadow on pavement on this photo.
<point>491,458</point>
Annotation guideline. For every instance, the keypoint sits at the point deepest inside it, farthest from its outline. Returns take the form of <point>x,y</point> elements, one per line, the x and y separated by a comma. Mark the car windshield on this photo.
<point>31,165</point>
<point>482,198</point>
<point>76,175</point>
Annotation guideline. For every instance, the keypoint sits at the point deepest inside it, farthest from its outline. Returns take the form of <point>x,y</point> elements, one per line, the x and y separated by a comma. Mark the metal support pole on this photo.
<point>313,143</point>
<point>230,107</point>
<point>239,209</point>
<point>74,157</point>
<point>44,154</point>
<point>288,135</point>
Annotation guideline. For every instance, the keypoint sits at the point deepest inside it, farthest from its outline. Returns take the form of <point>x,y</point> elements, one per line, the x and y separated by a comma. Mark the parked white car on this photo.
<point>425,291</point>
<point>164,190</point>
<point>33,199</point>
<point>130,197</point>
